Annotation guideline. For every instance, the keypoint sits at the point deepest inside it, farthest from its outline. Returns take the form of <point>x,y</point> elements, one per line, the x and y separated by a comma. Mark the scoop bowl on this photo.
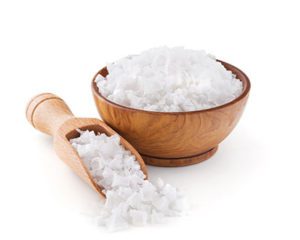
<point>50,114</point>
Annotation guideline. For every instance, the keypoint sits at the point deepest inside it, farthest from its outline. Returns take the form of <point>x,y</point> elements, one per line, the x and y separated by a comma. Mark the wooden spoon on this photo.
<point>50,114</point>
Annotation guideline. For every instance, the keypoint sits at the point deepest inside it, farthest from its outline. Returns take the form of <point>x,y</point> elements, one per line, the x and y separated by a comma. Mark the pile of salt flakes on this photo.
<point>169,80</point>
<point>130,198</point>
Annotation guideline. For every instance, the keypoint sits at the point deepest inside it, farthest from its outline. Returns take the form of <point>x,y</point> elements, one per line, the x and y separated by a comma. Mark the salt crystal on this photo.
<point>148,191</point>
<point>156,217</point>
<point>159,183</point>
<point>134,200</point>
<point>115,221</point>
<point>120,181</point>
<point>161,204</point>
<point>170,192</point>
<point>138,218</point>
<point>130,198</point>
<point>169,80</point>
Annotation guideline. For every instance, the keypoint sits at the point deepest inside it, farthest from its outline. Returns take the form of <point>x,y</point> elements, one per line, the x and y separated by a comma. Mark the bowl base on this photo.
<point>179,162</point>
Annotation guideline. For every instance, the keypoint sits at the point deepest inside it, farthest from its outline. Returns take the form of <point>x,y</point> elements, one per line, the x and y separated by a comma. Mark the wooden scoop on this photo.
<point>50,114</point>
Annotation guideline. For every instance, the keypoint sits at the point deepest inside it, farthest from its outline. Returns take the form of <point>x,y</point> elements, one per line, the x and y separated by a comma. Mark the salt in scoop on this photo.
<point>50,114</point>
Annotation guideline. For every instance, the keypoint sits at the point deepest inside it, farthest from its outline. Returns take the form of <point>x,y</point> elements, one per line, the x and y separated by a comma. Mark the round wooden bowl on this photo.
<point>174,138</point>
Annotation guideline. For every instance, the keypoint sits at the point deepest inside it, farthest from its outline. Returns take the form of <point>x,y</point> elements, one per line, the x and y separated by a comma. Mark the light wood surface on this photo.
<point>176,162</point>
<point>161,136</point>
<point>49,114</point>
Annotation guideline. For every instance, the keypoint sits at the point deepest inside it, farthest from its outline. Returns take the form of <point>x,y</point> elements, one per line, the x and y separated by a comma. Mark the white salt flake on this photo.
<point>135,200</point>
<point>148,191</point>
<point>115,221</point>
<point>120,181</point>
<point>161,203</point>
<point>159,183</point>
<point>156,217</point>
<point>99,78</point>
<point>170,192</point>
<point>138,218</point>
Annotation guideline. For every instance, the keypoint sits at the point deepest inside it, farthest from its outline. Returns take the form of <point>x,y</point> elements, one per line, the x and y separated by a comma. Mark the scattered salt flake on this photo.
<point>159,183</point>
<point>161,204</point>
<point>170,192</point>
<point>115,221</point>
<point>148,191</point>
<point>156,217</point>
<point>138,218</point>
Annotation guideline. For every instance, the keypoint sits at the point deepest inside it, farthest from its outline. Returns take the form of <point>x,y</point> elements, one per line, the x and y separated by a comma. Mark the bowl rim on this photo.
<point>246,89</point>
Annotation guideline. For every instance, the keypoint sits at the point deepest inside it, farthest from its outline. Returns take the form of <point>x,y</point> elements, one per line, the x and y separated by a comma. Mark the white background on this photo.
<point>249,190</point>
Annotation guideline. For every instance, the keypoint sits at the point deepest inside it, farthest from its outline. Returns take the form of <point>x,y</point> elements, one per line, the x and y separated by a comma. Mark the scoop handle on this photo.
<point>47,112</point>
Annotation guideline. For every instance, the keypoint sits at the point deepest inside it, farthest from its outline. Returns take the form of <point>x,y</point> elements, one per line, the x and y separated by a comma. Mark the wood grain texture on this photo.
<point>49,114</point>
<point>173,135</point>
<point>176,162</point>
<point>43,111</point>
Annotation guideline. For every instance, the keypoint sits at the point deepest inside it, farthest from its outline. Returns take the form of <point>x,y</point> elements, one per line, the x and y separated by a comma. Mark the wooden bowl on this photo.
<point>174,138</point>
